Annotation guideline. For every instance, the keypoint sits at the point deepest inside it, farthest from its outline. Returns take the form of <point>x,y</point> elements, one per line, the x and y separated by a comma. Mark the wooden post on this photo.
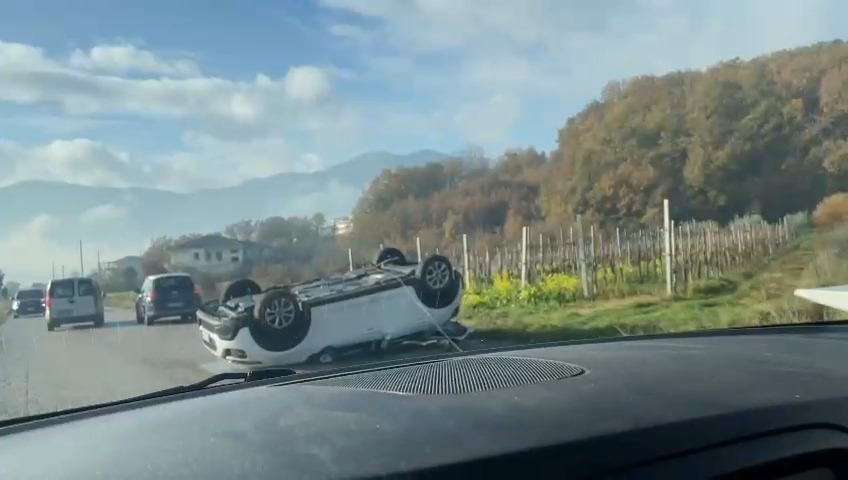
<point>667,245</point>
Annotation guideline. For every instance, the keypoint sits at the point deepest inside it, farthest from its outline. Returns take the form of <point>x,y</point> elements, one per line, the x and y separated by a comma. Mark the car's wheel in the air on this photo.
<point>437,283</point>
<point>240,288</point>
<point>280,323</point>
<point>390,256</point>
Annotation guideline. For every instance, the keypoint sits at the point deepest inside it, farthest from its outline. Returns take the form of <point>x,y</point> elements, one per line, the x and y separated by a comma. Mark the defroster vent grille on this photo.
<point>458,375</point>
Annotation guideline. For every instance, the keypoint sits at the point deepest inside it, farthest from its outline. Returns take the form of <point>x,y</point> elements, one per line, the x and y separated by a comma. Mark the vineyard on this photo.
<point>604,263</point>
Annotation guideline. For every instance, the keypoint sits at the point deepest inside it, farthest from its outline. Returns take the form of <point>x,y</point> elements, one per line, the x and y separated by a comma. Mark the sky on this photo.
<point>185,94</point>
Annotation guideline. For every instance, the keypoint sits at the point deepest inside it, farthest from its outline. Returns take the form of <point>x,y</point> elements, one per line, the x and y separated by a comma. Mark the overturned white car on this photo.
<point>835,297</point>
<point>322,319</point>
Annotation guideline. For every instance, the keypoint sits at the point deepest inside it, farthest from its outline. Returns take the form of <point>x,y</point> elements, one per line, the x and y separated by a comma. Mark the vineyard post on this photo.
<point>465,268</point>
<point>581,257</point>
<point>667,235</point>
<point>524,234</point>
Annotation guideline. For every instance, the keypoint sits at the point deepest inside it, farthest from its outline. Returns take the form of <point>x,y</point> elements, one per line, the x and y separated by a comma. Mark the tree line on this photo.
<point>767,137</point>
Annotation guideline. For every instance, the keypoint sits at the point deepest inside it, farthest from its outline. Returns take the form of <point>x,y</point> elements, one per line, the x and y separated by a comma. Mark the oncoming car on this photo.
<point>320,320</point>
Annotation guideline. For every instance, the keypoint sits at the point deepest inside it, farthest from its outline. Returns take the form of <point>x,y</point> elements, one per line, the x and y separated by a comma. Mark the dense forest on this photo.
<point>767,136</point>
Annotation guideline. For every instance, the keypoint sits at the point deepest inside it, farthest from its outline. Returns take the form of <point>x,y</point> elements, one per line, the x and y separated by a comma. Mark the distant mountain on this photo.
<point>102,212</point>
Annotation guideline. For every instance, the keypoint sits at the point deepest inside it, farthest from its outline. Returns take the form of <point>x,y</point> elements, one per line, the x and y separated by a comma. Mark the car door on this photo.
<point>85,303</point>
<point>61,298</point>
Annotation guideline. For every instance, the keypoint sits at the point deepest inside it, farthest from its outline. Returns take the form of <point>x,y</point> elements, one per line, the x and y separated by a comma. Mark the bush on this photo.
<point>831,211</point>
<point>712,287</point>
<point>550,289</point>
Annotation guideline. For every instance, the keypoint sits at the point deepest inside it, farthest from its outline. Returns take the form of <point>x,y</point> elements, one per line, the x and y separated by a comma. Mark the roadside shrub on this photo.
<point>711,287</point>
<point>505,290</point>
<point>831,211</point>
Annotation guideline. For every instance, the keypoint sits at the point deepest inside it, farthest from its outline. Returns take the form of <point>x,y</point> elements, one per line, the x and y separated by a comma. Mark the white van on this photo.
<point>72,301</point>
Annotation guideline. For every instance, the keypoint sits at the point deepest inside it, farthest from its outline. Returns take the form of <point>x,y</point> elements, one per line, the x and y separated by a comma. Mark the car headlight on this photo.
<point>16,304</point>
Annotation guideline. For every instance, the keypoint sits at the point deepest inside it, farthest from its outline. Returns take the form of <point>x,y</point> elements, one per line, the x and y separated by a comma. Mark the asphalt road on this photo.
<point>43,371</point>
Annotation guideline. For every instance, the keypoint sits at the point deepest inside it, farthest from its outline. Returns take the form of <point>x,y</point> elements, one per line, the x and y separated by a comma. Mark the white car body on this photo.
<point>371,305</point>
<point>72,301</point>
<point>835,297</point>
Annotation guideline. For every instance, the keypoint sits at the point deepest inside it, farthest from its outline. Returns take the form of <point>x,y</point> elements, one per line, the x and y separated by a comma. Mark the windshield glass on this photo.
<point>29,295</point>
<point>410,179</point>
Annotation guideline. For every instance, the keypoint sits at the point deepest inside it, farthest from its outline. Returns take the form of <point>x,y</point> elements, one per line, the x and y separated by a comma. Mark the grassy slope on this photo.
<point>762,295</point>
<point>121,300</point>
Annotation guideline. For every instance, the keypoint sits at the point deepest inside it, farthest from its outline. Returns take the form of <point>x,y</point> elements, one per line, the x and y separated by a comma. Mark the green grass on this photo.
<point>760,295</point>
<point>121,300</point>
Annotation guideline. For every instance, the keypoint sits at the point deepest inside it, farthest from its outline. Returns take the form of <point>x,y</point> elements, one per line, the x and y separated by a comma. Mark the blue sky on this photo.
<point>340,76</point>
<point>187,93</point>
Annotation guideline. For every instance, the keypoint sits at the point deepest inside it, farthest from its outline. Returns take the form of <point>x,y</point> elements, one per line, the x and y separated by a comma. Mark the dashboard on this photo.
<point>743,403</point>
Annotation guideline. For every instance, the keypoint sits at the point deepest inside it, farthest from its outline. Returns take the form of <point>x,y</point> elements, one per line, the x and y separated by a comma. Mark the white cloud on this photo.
<point>108,214</point>
<point>35,251</point>
<point>29,77</point>
<point>565,50</point>
<point>122,59</point>
<point>80,161</point>
<point>489,120</point>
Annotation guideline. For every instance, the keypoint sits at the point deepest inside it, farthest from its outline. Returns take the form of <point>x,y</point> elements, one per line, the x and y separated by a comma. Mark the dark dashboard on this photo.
<point>746,403</point>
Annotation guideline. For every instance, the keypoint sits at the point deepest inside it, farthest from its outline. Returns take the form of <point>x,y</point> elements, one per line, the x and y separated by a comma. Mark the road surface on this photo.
<point>43,371</point>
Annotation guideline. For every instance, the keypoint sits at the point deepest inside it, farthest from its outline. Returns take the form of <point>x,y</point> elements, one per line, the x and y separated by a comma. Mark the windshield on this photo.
<point>29,295</point>
<point>448,176</point>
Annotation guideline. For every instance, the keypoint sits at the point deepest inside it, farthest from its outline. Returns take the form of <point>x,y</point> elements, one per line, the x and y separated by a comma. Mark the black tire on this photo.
<point>50,326</point>
<point>435,274</point>
<point>138,318</point>
<point>283,331</point>
<point>327,356</point>
<point>99,321</point>
<point>390,256</point>
<point>240,288</point>
<point>14,315</point>
<point>439,295</point>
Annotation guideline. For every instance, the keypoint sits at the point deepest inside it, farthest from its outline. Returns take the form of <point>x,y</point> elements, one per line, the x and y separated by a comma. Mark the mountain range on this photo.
<point>127,215</point>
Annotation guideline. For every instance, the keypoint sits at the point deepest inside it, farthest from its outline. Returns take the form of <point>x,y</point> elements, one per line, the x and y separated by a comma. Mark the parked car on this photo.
<point>73,301</point>
<point>166,295</point>
<point>28,301</point>
<point>324,318</point>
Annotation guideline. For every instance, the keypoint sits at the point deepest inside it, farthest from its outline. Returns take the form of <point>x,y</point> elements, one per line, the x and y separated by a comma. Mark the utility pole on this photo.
<point>63,271</point>
<point>99,271</point>
<point>82,270</point>
<point>53,274</point>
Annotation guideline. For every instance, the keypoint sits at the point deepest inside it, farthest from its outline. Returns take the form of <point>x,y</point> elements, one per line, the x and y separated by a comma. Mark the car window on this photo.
<point>181,283</point>
<point>62,289</point>
<point>28,294</point>
<point>86,288</point>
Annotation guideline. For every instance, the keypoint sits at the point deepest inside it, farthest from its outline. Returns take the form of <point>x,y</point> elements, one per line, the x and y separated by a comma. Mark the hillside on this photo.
<point>154,212</point>
<point>767,136</point>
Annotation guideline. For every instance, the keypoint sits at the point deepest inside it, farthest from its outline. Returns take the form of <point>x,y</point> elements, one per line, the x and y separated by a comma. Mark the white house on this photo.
<point>121,264</point>
<point>217,254</point>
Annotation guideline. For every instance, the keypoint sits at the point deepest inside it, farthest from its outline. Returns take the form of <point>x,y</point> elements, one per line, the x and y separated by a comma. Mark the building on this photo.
<point>340,226</point>
<point>217,254</point>
<point>116,267</point>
